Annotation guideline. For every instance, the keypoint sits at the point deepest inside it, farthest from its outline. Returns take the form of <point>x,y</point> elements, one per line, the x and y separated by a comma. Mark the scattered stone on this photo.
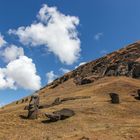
<point>33,107</point>
<point>114,98</point>
<point>60,115</point>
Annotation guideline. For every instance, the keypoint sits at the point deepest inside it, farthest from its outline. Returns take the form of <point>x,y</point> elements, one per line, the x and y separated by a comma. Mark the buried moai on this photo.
<point>138,97</point>
<point>33,107</point>
<point>138,91</point>
<point>114,98</point>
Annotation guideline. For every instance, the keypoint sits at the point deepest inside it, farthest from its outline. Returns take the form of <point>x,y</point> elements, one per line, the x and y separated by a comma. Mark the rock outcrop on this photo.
<point>124,62</point>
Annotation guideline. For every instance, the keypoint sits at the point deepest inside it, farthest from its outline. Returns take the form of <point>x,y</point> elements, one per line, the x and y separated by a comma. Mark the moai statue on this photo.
<point>33,107</point>
<point>138,91</point>
<point>22,101</point>
<point>114,98</point>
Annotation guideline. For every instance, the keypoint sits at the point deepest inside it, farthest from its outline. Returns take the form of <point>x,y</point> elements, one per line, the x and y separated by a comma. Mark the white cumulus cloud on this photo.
<point>12,52</point>
<point>54,30</point>
<point>2,41</point>
<point>20,73</point>
<point>64,70</point>
<point>51,76</point>
<point>5,82</point>
<point>82,63</point>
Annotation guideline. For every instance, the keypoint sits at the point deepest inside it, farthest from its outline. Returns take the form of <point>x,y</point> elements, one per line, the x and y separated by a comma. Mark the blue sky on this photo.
<point>90,29</point>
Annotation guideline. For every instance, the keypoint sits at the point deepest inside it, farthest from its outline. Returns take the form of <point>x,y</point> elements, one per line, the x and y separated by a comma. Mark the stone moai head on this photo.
<point>138,91</point>
<point>114,98</point>
<point>33,107</point>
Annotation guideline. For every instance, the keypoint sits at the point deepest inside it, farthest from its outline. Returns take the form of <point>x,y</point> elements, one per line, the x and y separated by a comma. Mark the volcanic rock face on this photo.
<point>124,62</point>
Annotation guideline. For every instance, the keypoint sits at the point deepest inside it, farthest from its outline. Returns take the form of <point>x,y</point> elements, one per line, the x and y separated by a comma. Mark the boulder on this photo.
<point>86,81</point>
<point>60,115</point>
<point>82,81</point>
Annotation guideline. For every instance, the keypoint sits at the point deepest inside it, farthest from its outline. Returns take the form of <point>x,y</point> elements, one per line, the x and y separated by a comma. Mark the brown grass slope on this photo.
<point>96,118</point>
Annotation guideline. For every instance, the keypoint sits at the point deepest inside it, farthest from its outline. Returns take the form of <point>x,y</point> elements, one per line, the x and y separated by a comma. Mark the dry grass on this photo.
<point>96,118</point>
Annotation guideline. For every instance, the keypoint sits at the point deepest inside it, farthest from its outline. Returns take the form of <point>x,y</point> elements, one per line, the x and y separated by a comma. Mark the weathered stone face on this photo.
<point>33,107</point>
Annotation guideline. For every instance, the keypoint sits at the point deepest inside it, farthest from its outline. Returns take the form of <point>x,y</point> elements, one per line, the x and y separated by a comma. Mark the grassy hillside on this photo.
<point>96,118</point>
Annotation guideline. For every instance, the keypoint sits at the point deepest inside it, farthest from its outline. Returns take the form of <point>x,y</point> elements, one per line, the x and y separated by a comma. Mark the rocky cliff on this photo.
<point>124,62</point>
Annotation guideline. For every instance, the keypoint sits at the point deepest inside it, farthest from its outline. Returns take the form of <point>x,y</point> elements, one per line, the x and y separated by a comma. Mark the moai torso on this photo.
<point>33,107</point>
